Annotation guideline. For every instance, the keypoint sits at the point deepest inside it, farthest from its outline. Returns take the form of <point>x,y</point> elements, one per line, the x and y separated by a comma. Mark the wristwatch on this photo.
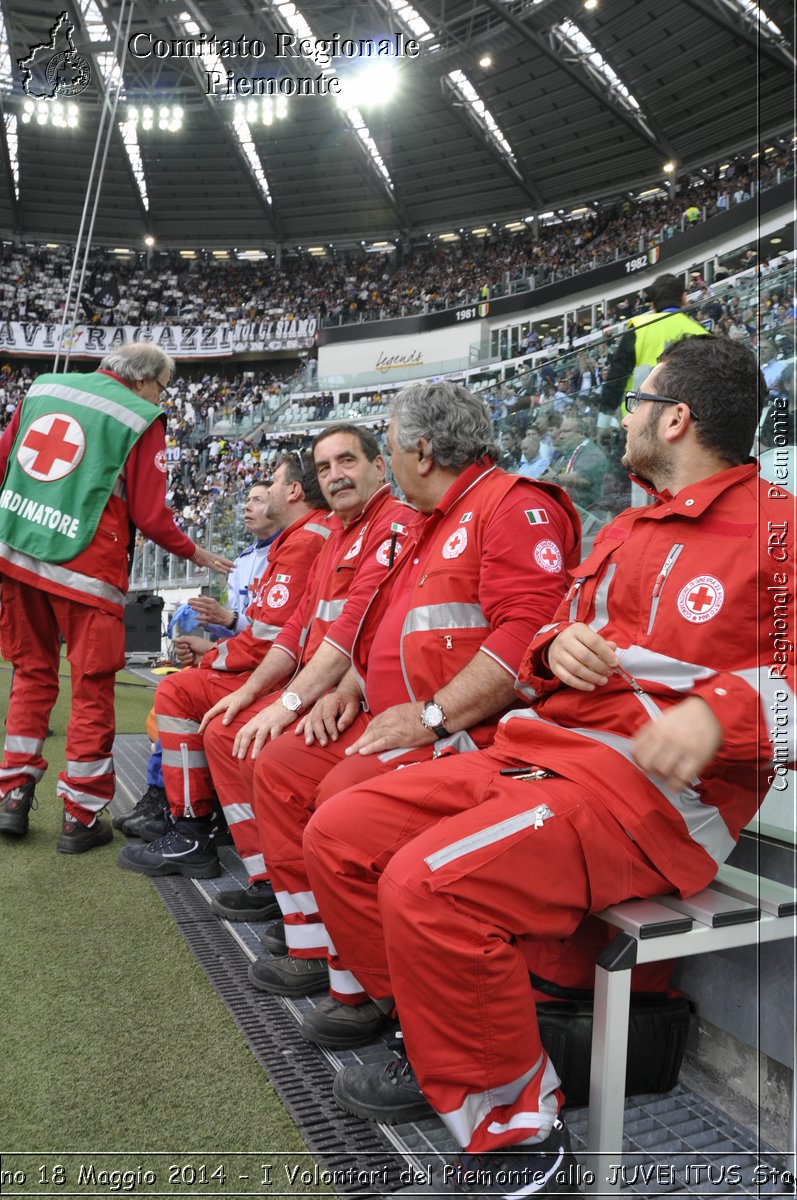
<point>291,701</point>
<point>433,717</point>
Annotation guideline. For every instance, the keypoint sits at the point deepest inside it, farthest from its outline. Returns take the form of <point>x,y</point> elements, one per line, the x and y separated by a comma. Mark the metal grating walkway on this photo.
<point>676,1144</point>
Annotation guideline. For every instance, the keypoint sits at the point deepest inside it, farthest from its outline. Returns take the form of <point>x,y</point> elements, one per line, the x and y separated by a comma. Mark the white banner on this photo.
<point>180,341</point>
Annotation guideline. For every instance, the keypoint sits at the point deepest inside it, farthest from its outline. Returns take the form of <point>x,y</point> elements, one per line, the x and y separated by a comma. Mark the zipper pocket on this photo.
<point>661,579</point>
<point>533,819</point>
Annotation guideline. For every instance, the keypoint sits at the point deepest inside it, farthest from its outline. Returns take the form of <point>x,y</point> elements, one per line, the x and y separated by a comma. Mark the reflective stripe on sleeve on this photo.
<point>220,661</point>
<point>329,610</point>
<point>264,632</point>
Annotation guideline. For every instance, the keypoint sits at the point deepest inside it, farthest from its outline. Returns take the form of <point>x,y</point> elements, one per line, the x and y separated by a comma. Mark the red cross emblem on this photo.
<point>698,600</point>
<point>701,599</point>
<point>52,447</point>
<point>548,556</point>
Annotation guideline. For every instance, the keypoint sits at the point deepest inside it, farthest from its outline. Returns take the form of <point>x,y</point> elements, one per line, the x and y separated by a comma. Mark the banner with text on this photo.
<point>180,341</point>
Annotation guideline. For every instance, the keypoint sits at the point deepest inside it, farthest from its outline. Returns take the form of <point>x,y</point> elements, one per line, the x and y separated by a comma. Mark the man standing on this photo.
<point>644,340</point>
<point>83,458</point>
<point>645,752</point>
<point>434,665</point>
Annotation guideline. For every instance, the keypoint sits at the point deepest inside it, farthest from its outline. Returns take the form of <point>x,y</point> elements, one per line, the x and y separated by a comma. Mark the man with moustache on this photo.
<point>201,718</point>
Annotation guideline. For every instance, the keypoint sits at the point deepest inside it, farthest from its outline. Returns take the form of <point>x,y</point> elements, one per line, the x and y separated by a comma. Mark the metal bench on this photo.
<point>738,909</point>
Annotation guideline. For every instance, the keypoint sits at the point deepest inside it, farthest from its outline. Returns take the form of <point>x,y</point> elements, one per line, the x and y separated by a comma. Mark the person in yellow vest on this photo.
<point>646,337</point>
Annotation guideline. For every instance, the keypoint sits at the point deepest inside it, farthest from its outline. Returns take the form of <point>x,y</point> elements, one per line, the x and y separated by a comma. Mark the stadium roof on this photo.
<point>572,104</point>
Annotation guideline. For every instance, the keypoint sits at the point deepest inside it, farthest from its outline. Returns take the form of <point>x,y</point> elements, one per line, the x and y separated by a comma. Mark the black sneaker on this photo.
<point>151,805</point>
<point>289,976</point>
<point>76,838</point>
<point>545,1169</point>
<point>273,939</point>
<point>14,809</point>
<point>254,903</point>
<point>389,1094</point>
<point>187,848</point>
<point>342,1026</point>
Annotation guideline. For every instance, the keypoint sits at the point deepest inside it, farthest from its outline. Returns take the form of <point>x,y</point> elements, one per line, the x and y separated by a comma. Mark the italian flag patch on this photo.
<point>283,579</point>
<point>537,516</point>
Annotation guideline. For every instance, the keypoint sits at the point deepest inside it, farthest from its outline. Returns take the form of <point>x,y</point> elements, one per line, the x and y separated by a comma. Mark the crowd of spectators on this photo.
<point>418,277</point>
<point>210,471</point>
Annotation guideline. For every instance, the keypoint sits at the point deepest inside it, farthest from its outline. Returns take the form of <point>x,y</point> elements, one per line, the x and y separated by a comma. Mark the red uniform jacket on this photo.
<point>490,566</point>
<point>693,591</point>
<point>345,576</point>
<point>290,562</point>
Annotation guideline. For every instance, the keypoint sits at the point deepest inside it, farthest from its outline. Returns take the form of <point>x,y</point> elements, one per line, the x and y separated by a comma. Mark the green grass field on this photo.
<point>113,1040</point>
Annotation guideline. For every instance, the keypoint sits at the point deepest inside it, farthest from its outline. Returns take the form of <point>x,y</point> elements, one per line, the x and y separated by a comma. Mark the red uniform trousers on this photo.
<point>425,897</point>
<point>30,623</point>
<point>233,780</point>
<point>290,780</point>
<point>198,768</point>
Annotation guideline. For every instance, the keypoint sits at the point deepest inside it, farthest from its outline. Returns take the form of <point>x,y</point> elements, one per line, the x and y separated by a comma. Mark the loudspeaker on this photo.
<point>143,623</point>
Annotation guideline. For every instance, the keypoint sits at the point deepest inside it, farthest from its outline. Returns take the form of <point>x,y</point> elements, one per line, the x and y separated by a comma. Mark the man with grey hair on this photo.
<point>433,666</point>
<point>82,463</point>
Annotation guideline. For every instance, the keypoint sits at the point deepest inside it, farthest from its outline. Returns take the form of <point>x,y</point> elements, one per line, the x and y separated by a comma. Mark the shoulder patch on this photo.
<point>456,544</point>
<point>548,556</point>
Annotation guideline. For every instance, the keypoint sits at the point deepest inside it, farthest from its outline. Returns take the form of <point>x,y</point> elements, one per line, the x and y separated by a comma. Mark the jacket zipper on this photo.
<point>661,579</point>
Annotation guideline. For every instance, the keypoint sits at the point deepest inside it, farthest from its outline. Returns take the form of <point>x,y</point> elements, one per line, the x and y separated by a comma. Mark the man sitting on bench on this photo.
<point>644,753</point>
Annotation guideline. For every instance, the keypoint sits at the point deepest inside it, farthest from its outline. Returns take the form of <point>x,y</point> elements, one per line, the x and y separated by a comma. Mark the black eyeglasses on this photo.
<point>634,399</point>
<point>162,387</point>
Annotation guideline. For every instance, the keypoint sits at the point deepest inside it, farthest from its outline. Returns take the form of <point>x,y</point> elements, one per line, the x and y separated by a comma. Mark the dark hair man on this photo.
<point>433,664</point>
<point>645,338</point>
<point>645,751</point>
<point>82,459</point>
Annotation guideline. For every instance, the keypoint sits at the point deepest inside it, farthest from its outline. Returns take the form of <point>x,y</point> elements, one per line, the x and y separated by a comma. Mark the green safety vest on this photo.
<point>654,332</point>
<point>74,437</point>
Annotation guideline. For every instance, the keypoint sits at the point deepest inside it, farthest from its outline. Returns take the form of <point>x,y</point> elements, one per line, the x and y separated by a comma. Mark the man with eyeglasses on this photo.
<point>647,747</point>
<point>82,462</point>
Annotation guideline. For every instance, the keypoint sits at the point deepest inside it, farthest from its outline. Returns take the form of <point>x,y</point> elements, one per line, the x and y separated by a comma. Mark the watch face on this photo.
<point>433,715</point>
<point>291,701</point>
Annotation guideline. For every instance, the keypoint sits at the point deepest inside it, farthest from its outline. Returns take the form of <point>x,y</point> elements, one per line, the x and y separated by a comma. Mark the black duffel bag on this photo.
<point>657,1031</point>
